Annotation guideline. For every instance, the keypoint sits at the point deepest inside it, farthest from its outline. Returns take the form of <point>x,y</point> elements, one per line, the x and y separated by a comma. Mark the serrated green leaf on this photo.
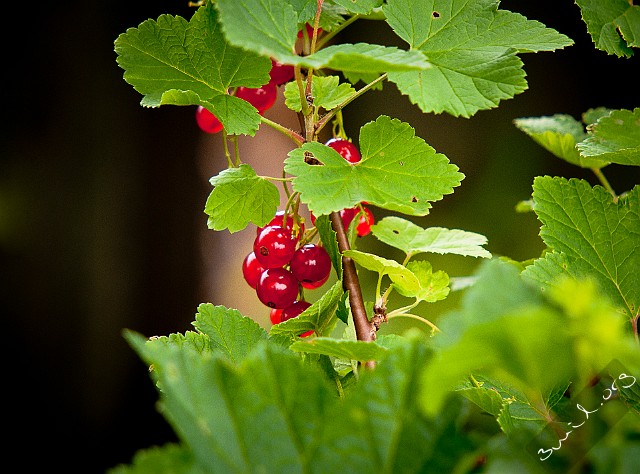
<point>330,242</point>
<point>168,459</point>
<point>598,237</point>
<point>343,349</point>
<point>179,62</point>
<point>559,134</point>
<point>472,49</point>
<point>229,331</point>
<point>327,93</point>
<point>487,399</point>
<point>239,197</point>
<point>412,171</point>
<point>593,115</point>
<point>320,317</point>
<point>403,278</point>
<point>412,239</point>
<point>433,286</point>
<point>362,7</point>
<point>614,25</point>
<point>269,28</point>
<point>614,138</point>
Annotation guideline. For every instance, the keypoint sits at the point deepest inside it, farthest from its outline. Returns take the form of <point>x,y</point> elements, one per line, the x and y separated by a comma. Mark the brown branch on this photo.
<point>365,330</point>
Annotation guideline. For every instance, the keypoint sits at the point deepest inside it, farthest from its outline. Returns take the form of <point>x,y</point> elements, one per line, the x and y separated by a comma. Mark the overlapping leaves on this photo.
<point>614,25</point>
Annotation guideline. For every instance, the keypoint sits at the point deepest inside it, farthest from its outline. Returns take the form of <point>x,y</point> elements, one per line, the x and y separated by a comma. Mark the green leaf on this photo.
<point>362,7</point>
<point>433,286</point>
<point>320,317</point>
<point>270,28</point>
<point>597,236</point>
<point>172,61</point>
<point>472,48</point>
<point>559,135</point>
<point>412,239</point>
<point>326,91</point>
<point>343,349</point>
<point>239,197</point>
<point>412,171</point>
<point>329,240</point>
<point>403,278</point>
<point>229,331</point>
<point>614,25</point>
<point>168,459</point>
<point>614,138</point>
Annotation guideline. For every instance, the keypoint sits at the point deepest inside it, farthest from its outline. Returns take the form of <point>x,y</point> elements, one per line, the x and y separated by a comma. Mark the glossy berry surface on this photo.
<point>262,98</point>
<point>277,221</point>
<point>207,122</point>
<point>275,316</point>
<point>315,284</point>
<point>310,264</point>
<point>365,220</point>
<point>274,246</point>
<point>293,311</point>
<point>277,288</point>
<point>251,269</point>
<point>346,149</point>
<point>280,73</point>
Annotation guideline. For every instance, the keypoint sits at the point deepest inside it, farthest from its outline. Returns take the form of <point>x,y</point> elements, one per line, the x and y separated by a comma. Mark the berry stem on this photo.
<point>605,182</point>
<point>351,283</point>
<point>329,36</point>
<point>296,137</point>
<point>329,115</point>
<point>225,146</point>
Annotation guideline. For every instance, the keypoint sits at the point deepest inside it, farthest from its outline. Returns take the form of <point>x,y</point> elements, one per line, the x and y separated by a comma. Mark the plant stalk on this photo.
<point>351,283</point>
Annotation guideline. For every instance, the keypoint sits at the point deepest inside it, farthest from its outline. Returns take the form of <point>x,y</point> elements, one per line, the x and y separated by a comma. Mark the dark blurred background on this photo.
<point>101,211</point>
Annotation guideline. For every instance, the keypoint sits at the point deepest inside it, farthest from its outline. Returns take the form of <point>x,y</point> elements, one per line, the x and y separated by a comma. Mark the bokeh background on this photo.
<point>101,211</point>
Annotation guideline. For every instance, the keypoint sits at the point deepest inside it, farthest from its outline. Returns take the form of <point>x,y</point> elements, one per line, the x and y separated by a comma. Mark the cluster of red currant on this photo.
<point>279,267</point>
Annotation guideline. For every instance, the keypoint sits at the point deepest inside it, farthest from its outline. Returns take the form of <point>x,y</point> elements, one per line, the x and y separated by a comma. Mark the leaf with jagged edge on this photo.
<point>229,331</point>
<point>472,48</point>
<point>614,138</point>
<point>413,239</point>
<point>270,28</point>
<point>434,286</point>
<point>173,61</point>
<point>320,317</point>
<point>614,25</point>
<point>595,236</point>
<point>239,197</point>
<point>170,458</point>
<point>327,93</point>
<point>343,349</point>
<point>359,7</point>
<point>403,278</point>
<point>412,172</point>
<point>559,135</point>
<point>330,242</point>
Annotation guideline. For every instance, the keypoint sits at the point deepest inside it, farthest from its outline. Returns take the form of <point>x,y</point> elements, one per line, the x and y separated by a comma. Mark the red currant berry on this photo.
<point>277,288</point>
<point>251,269</point>
<point>262,98</point>
<point>311,264</point>
<point>274,246</point>
<point>293,311</point>
<point>346,149</point>
<point>277,221</point>
<point>207,122</point>
<point>365,219</point>
<point>275,316</point>
<point>315,284</point>
<point>280,73</point>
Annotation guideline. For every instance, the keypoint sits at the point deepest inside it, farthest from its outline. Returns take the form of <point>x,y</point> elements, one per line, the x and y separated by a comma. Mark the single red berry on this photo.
<point>277,288</point>
<point>365,219</point>
<point>315,284</point>
<point>277,221</point>
<point>251,269</point>
<point>262,98</point>
<point>280,73</point>
<point>294,310</point>
<point>346,149</point>
<point>309,29</point>
<point>274,246</point>
<point>311,264</point>
<point>275,316</point>
<point>207,121</point>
